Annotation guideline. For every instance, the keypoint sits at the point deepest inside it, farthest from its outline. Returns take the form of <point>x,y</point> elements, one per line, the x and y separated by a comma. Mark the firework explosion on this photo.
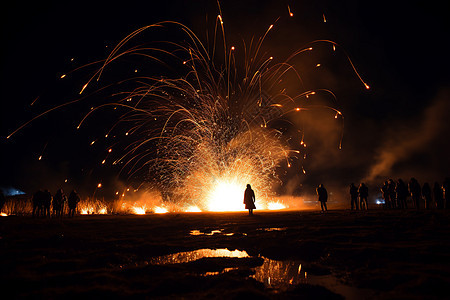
<point>205,127</point>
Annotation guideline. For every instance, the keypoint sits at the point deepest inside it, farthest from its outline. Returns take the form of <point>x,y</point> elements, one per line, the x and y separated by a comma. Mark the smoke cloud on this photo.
<point>414,146</point>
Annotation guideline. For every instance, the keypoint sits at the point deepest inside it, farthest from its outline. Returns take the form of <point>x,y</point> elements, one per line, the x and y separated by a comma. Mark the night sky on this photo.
<point>398,128</point>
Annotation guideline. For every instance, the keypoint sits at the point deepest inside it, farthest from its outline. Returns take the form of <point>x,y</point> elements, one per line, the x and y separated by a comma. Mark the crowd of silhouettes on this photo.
<point>43,201</point>
<point>359,197</point>
<point>397,193</point>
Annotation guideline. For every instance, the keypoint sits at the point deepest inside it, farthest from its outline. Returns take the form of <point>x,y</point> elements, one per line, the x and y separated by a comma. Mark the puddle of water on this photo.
<point>198,232</point>
<point>273,273</point>
<point>273,229</point>
<point>213,232</point>
<point>185,257</point>
<point>280,274</point>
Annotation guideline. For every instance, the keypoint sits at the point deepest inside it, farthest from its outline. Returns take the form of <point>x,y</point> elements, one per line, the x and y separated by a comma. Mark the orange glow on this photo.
<point>227,195</point>
<point>275,206</point>
<point>138,210</point>
<point>160,210</point>
<point>99,185</point>
<point>193,208</point>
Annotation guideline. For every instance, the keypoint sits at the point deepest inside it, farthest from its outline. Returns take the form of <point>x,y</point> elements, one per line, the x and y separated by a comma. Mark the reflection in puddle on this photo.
<point>185,257</point>
<point>274,274</point>
<point>280,274</point>
<point>213,232</point>
<point>198,232</point>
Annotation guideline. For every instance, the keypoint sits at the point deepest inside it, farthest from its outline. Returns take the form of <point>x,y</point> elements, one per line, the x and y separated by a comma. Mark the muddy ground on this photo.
<point>286,254</point>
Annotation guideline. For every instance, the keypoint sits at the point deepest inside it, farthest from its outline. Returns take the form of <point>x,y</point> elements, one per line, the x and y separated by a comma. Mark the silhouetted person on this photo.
<point>354,196</point>
<point>385,194</point>
<point>438,196</point>
<point>249,199</point>
<point>72,202</point>
<point>37,203</point>
<point>2,200</point>
<point>415,191</point>
<point>446,189</point>
<point>402,194</point>
<point>363,192</point>
<point>392,194</point>
<point>58,203</point>
<point>47,202</point>
<point>426,193</point>
<point>322,197</point>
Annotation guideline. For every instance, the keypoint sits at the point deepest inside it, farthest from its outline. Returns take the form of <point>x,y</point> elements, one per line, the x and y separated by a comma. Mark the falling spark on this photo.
<point>84,86</point>
<point>99,185</point>
<point>34,101</point>
<point>290,12</point>
<point>324,19</point>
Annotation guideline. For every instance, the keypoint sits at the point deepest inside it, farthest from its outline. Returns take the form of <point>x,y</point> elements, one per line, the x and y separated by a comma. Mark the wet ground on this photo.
<point>286,254</point>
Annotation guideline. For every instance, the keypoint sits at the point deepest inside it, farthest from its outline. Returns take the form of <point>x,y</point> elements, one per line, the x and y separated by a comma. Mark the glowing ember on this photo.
<point>3,214</point>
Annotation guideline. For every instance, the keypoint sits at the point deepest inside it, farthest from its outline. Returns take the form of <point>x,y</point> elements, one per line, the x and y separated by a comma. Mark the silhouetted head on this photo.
<point>248,186</point>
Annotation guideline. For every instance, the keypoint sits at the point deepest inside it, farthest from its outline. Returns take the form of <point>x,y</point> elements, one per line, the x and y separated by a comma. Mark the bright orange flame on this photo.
<point>160,210</point>
<point>275,206</point>
<point>139,210</point>
<point>227,195</point>
<point>193,208</point>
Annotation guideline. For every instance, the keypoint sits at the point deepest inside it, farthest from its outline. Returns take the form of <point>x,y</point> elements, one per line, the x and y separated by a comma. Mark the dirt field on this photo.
<point>286,254</point>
